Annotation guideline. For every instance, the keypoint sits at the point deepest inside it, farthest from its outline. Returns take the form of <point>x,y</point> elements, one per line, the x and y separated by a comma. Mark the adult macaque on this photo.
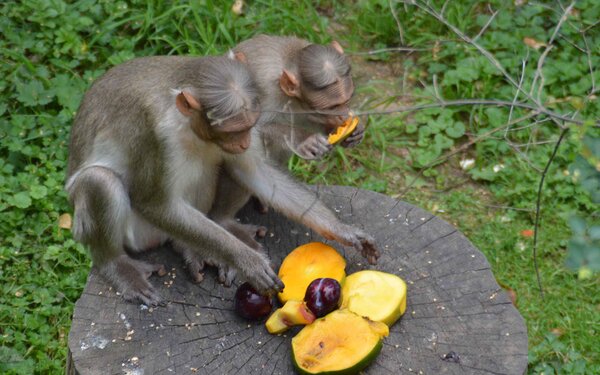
<point>146,148</point>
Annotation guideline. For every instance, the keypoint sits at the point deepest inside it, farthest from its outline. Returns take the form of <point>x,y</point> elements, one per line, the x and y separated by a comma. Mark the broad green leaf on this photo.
<point>38,192</point>
<point>457,130</point>
<point>21,200</point>
<point>442,142</point>
<point>33,93</point>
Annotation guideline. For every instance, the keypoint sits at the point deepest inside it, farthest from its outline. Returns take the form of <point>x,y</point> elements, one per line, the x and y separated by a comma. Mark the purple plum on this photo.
<point>250,304</point>
<point>322,296</point>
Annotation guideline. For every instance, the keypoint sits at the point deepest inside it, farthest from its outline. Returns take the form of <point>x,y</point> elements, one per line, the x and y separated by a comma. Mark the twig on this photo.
<point>549,46</point>
<point>400,29</point>
<point>589,60</point>
<point>384,50</point>
<point>512,107</point>
<point>487,24</point>
<point>540,74</point>
<point>453,103</point>
<point>538,207</point>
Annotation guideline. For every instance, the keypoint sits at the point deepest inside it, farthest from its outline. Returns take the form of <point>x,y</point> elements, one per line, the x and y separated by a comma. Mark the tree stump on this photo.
<point>458,320</point>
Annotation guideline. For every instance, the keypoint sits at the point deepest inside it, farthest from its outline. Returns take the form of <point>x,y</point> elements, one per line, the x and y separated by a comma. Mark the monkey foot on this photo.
<point>245,232</point>
<point>260,206</point>
<point>193,262</point>
<point>130,278</point>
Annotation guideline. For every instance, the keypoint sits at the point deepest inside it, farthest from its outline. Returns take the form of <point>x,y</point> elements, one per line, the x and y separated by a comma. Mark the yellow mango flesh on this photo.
<point>339,342</point>
<point>291,314</point>
<point>306,263</point>
<point>377,295</point>
<point>343,131</point>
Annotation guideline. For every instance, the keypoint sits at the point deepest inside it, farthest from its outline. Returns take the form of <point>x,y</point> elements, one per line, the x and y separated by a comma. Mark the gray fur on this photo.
<point>138,175</point>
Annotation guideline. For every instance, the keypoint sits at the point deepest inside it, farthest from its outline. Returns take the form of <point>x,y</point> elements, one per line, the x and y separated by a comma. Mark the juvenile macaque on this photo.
<point>146,148</point>
<point>295,76</point>
<point>313,85</point>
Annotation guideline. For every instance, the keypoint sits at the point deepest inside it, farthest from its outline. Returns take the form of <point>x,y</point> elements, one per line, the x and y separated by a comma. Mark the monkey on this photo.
<point>296,76</point>
<point>146,148</point>
<point>292,75</point>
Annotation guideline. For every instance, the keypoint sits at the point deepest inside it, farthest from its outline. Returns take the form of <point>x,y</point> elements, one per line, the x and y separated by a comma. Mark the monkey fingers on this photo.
<point>193,263</point>
<point>226,274</point>
<point>258,272</point>
<point>314,147</point>
<point>245,232</point>
<point>355,138</point>
<point>130,277</point>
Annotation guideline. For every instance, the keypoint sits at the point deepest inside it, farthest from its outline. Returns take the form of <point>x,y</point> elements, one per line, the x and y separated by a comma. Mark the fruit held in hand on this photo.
<point>343,131</point>
<point>340,343</point>
<point>306,263</point>
<point>322,296</point>
<point>376,295</point>
<point>291,314</point>
<point>250,304</point>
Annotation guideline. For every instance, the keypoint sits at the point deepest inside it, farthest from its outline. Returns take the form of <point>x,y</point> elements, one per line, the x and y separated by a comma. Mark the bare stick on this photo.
<point>538,208</point>
<point>384,50</point>
<point>487,24</point>
<point>400,29</point>
<point>589,60</point>
<point>454,103</point>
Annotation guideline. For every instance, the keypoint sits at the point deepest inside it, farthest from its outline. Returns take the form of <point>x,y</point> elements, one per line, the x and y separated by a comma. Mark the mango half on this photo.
<point>306,263</point>
<point>379,296</point>
<point>339,343</point>
<point>343,131</point>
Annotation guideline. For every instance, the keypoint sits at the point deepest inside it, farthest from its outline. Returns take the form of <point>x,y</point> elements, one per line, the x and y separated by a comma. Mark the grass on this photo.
<point>53,50</point>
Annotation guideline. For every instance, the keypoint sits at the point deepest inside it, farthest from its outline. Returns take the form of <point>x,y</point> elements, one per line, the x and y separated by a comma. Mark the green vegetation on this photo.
<point>53,49</point>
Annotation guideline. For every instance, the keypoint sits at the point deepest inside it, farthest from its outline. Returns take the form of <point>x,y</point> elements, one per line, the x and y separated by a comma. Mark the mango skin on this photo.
<point>339,329</point>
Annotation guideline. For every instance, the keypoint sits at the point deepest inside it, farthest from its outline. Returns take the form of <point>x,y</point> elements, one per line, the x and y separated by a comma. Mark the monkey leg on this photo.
<point>102,210</point>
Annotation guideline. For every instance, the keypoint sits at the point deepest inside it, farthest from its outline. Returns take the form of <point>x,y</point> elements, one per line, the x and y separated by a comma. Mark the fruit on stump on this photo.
<point>376,295</point>
<point>339,343</point>
<point>291,314</point>
<point>323,296</point>
<point>249,304</point>
<point>306,263</point>
<point>343,131</point>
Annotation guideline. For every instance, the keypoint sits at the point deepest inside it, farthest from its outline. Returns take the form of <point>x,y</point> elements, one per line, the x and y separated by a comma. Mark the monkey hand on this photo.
<point>361,241</point>
<point>314,147</point>
<point>257,270</point>
<point>355,138</point>
<point>130,277</point>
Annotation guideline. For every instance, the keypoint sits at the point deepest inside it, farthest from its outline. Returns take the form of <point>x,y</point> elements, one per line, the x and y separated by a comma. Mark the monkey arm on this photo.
<point>184,223</point>
<point>296,202</point>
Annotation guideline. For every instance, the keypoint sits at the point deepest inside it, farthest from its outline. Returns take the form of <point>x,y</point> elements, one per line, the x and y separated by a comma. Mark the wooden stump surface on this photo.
<point>458,320</point>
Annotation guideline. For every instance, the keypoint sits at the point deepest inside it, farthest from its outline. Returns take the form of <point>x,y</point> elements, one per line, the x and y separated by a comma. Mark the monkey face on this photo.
<point>330,103</point>
<point>233,135</point>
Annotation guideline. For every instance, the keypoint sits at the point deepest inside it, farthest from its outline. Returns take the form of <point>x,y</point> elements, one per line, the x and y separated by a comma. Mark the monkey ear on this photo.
<point>186,103</point>
<point>239,56</point>
<point>289,84</point>
<point>337,47</point>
